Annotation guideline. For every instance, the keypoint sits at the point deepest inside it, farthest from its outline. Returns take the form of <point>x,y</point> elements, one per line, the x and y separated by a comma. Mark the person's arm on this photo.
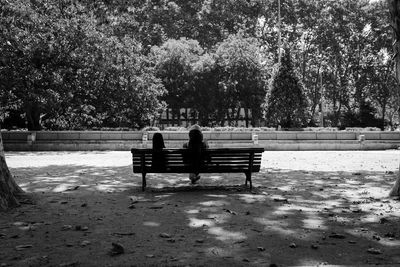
<point>205,144</point>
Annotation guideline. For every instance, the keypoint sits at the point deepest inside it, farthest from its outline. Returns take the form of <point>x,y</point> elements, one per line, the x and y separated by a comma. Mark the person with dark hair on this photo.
<point>158,157</point>
<point>196,152</point>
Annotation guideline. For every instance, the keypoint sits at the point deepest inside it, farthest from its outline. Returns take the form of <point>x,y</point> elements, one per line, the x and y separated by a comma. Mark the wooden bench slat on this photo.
<point>178,169</point>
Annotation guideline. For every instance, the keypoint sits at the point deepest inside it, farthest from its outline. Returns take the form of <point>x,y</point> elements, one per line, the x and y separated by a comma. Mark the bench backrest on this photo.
<point>217,160</point>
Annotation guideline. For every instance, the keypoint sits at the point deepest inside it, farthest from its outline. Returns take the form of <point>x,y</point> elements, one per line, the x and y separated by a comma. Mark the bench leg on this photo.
<point>143,181</point>
<point>248,178</point>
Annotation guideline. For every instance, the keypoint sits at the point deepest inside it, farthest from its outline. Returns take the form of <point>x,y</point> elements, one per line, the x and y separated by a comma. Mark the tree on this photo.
<point>174,62</point>
<point>9,190</point>
<point>394,8</point>
<point>205,97</point>
<point>39,40</point>
<point>68,72</point>
<point>286,102</point>
<point>242,77</point>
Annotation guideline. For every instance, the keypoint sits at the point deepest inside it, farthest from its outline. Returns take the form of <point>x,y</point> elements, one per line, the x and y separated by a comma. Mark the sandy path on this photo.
<point>308,208</point>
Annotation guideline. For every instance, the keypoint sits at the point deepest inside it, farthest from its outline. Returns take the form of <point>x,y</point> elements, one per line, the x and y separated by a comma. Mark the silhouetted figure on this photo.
<point>196,154</point>
<point>158,156</point>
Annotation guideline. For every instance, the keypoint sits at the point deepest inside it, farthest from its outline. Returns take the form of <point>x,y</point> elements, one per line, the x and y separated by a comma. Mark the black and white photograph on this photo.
<point>199,133</point>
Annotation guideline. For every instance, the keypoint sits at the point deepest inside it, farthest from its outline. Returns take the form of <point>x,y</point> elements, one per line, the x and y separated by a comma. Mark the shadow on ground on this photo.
<point>289,218</point>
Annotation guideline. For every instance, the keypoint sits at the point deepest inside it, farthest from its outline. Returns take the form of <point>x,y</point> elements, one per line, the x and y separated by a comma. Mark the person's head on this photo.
<point>195,127</point>
<point>158,141</point>
<point>195,135</point>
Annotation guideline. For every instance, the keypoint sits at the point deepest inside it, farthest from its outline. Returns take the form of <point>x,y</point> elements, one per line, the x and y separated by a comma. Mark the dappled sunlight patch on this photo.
<point>277,225</point>
<point>343,220</point>
<point>376,178</point>
<point>373,191</point>
<point>48,158</point>
<point>281,230</point>
<point>196,223</point>
<point>285,188</point>
<point>283,211</point>
<point>353,182</point>
<point>215,178</point>
<point>390,243</point>
<point>25,186</point>
<point>214,203</point>
<point>321,194</point>
<point>217,196</point>
<point>225,235</point>
<point>335,177</point>
<point>220,217</point>
<point>108,188</point>
<point>192,211</point>
<point>62,187</point>
<point>319,182</point>
<point>39,190</point>
<point>139,198</point>
<point>298,207</point>
<point>152,224</point>
<point>219,252</point>
<point>251,198</point>
<point>310,262</point>
<point>373,237</point>
<point>48,179</point>
<point>314,222</point>
<point>164,196</point>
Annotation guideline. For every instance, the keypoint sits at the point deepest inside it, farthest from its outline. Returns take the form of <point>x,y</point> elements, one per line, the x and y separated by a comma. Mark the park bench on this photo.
<point>219,160</point>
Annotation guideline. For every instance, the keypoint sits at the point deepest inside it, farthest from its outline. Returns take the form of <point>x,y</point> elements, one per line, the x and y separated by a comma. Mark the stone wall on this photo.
<point>274,140</point>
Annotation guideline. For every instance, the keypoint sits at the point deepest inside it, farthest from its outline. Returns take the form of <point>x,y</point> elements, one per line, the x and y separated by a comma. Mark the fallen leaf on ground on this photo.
<point>376,237</point>
<point>280,199</point>
<point>85,243</point>
<point>165,235</point>
<point>230,211</point>
<point>374,251</point>
<point>72,188</point>
<point>22,247</point>
<point>335,235</point>
<point>156,207</point>
<point>117,249</point>
<point>69,264</point>
<point>122,234</point>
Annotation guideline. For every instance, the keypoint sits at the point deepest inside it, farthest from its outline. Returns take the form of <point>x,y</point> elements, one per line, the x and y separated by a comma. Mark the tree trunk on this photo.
<point>9,190</point>
<point>238,116</point>
<point>395,191</point>
<point>394,8</point>
<point>32,112</point>
<point>246,115</point>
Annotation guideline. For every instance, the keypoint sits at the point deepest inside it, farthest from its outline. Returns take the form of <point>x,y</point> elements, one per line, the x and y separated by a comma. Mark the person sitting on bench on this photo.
<point>196,152</point>
<point>158,157</point>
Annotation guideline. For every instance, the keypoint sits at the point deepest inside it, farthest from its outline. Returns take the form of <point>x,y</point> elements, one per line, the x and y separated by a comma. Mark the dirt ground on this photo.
<point>307,208</point>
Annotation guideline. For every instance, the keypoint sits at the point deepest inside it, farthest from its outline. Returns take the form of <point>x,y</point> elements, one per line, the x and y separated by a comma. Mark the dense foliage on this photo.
<point>286,102</point>
<point>84,64</point>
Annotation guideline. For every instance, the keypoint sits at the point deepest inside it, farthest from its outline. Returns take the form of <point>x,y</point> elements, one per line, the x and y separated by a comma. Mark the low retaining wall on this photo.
<point>125,140</point>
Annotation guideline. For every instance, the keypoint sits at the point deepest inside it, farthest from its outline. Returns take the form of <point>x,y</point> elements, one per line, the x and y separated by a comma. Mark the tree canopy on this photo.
<point>88,64</point>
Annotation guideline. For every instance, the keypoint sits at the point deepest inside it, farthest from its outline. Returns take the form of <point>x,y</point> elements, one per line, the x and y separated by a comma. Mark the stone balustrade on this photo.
<point>270,140</point>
